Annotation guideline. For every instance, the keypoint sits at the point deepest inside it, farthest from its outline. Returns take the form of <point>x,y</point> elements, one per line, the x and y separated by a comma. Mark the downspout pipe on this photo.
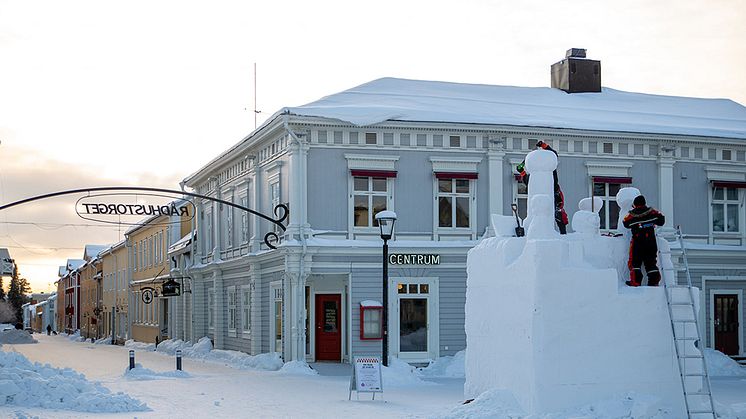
<point>300,297</point>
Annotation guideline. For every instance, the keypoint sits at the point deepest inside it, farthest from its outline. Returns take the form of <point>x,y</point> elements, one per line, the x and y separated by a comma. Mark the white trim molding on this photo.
<point>455,164</point>
<point>609,168</point>
<point>726,173</point>
<point>371,162</point>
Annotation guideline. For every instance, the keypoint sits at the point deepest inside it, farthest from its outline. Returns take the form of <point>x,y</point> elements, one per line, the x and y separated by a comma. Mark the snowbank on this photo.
<point>103,341</point>
<point>297,368</point>
<point>203,350</point>
<point>34,385</point>
<point>15,337</point>
<point>75,337</point>
<point>501,404</point>
<point>446,367</point>
<point>399,374</point>
<point>139,346</point>
<point>141,373</point>
<point>721,365</point>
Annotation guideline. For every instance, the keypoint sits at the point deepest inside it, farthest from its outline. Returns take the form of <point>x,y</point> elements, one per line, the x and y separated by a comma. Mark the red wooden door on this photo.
<point>726,323</point>
<point>328,327</point>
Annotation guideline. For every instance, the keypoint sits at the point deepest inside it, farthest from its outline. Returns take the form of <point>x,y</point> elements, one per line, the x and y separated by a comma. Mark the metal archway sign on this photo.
<point>280,210</point>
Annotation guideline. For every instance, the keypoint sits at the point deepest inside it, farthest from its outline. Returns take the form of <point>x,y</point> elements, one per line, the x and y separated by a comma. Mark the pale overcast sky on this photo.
<point>145,92</point>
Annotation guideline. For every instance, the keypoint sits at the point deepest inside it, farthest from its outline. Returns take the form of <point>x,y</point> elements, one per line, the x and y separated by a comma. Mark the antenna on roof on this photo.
<point>256,112</point>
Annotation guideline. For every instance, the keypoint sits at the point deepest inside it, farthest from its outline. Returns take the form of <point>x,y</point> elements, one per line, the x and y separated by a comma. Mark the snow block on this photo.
<point>551,321</point>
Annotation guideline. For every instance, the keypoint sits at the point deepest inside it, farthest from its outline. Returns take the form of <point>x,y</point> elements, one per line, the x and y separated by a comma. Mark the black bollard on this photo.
<point>178,359</point>
<point>132,359</point>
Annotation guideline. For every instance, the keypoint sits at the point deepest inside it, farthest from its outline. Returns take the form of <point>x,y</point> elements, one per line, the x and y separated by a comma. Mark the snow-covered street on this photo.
<point>215,390</point>
<point>212,389</point>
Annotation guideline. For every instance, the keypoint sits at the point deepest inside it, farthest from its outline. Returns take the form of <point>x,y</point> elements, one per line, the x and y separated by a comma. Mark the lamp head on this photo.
<point>386,220</point>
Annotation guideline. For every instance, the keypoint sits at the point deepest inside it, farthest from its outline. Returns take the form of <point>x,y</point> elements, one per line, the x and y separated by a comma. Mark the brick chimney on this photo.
<point>576,73</point>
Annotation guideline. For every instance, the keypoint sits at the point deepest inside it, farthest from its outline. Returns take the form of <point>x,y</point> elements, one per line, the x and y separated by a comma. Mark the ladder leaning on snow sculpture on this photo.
<point>695,381</point>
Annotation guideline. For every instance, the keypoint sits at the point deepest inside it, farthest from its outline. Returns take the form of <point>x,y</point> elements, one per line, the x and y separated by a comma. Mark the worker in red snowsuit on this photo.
<point>643,249</point>
<point>560,216</point>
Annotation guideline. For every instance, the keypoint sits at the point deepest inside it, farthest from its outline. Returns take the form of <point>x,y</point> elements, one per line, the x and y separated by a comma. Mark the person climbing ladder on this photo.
<point>643,248</point>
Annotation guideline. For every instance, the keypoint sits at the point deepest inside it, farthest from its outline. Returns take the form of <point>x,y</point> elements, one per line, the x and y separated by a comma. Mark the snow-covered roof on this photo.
<point>93,250</point>
<point>180,244</point>
<point>392,99</point>
<point>73,264</point>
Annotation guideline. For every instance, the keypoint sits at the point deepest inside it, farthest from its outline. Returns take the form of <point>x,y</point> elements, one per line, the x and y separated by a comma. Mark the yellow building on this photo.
<point>147,246</point>
<point>115,290</point>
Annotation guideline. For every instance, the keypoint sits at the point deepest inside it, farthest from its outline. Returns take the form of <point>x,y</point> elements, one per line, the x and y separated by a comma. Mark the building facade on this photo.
<point>115,289</point>
<point>444,167</point>
<point>68,286</point>
<point>147,245</point>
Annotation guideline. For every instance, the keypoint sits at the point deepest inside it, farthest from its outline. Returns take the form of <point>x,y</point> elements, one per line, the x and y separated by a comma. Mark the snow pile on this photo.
<point>34,385</point>
<point>103,341</point>
<point>14,336</point>
<point>721,365</point>
<point>446,366</point>
<point>139,346</point>
<point>399,373</point>
<point>297,368</point>
<point>75,337</point>
<point>203,350</point>
<point>501,404</point>
<point>141,373</point>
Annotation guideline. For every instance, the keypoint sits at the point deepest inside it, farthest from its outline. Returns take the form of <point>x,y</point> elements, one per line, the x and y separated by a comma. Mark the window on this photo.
<point>725,210</point>
<point>521,198</point>
<point>208,231</point>
<point>727,155</point>
<point>455,141</point>
<point>246,309</point>
<point>229,224</point>
<point>274,196</point>
<point>134,255</point>
<point>454,197</point>
<point>608,148</point>
<point>232,309</point>
<point>370,195</point>
<point>610,211</point>
<point>211,308</point>
<point>371,138</point>
<point>244,221</point>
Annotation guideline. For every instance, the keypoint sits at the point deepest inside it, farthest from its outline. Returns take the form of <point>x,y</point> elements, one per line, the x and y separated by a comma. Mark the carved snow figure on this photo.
<point>540,164</point>
<point>586,221</point>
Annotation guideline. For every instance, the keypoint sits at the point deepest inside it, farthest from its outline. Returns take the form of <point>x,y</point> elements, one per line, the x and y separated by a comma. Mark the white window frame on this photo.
<point>244,202</point>
<point>211,309</point>
<point>209,246</point>
<point>369,193</point>
<point>471,195</point>
<point>246,307</point>
<point>229,222</point>
<point>725,202</point>
<point>274,288</point>
<point>371,162</point>
<point>232,311</point>
<point>606,198</point>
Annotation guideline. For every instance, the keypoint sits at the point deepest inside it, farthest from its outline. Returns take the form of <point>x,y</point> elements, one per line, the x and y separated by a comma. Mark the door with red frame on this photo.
<point>328,327</point>
<point>726,323</point>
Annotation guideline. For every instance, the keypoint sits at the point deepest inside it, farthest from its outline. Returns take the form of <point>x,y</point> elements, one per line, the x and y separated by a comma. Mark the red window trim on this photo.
<point>610,179</point>
<point>455,175</point>
<point>728,184</point>
<point>373,173</point>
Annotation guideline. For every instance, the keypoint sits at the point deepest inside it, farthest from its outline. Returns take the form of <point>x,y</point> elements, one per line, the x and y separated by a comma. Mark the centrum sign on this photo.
<point>414,259</point>
<point>130,208</point>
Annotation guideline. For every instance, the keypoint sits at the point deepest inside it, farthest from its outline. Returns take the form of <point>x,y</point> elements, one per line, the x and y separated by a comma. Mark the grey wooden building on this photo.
<point>443,156</point>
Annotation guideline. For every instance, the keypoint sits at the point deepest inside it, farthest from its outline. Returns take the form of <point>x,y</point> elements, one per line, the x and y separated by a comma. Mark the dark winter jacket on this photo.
<point>642,221</point>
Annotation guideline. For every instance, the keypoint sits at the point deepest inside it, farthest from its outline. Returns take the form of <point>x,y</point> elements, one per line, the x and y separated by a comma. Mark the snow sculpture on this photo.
<point>549,319</point>
<point>540,164</point>
<point>586,221</point>
<point>624,199</point>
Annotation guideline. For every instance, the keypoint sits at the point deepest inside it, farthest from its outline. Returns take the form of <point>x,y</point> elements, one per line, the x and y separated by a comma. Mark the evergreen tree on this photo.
<point>17,297</point>
<point>2,290</point>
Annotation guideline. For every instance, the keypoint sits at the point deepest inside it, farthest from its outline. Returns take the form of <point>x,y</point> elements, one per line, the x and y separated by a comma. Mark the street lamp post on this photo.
<point>386,220</point>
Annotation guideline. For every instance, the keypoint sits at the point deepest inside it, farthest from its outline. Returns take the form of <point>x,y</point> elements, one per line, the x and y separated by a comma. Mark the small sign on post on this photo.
<point>178,359</point>
<point>132,359</point>
<point>366,376</point>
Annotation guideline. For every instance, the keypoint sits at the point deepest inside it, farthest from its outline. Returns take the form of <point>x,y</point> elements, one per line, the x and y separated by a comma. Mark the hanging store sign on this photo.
<point>130,208</point>
<point>147,295</point>
<point>171,288</point>
<point>414,259</point>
